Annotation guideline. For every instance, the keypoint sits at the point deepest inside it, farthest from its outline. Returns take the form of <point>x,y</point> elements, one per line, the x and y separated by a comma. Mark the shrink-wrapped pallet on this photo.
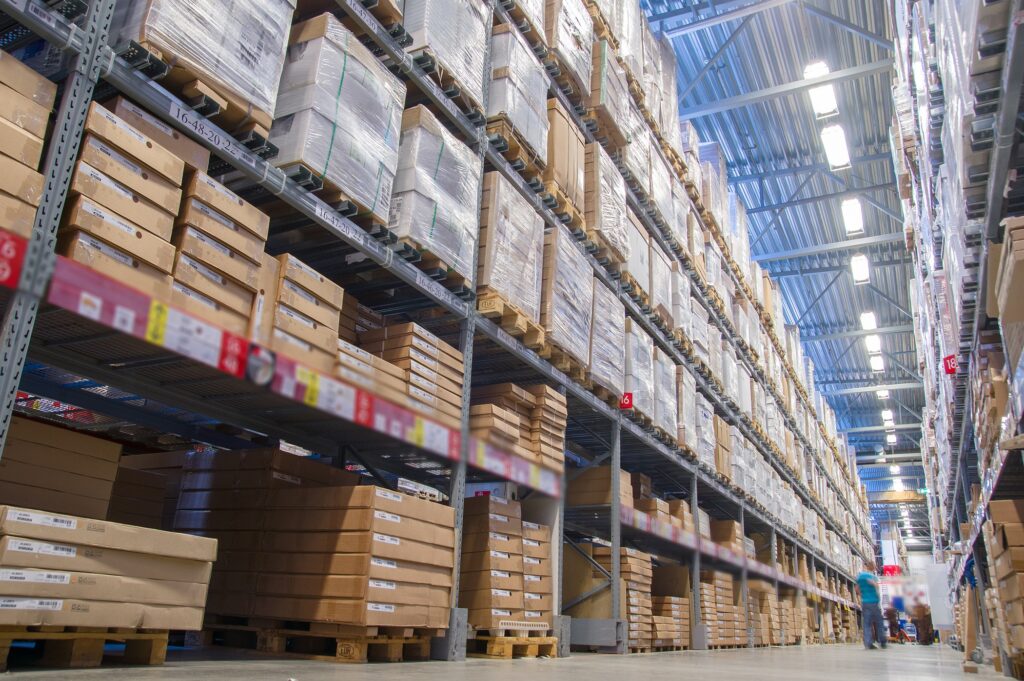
<point>680,223</point>
<point>570,34</point>
<point>609,95</point>
<point>686,402</point>
<point>638,262</point>
<point>661,183</point>
<point>567,295</point>
<point>339,113</point>
<point>606,202</point>
<point>436,191</point>
<point>608,340</point>
<point>661,283</point>
<point>631,41</point>
<point>611,13</point>
<point>566,154</point>
<point>652,66</point>
<point>511,246</point>
<point>240,58</point>
<point>669,121</point>
<point>455,34</point>
<point>635,157</point>
<point>681,315</point>
<point>640,368</point>
<point>519,88</point>
<point>665,393</point>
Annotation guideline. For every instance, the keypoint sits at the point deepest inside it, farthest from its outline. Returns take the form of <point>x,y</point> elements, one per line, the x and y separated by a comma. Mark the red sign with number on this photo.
<point>12,255</point>
<point>950,365</point>
<point>626,401</point>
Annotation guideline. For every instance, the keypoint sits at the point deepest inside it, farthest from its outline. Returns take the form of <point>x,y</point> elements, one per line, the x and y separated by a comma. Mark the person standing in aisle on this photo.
<point>871,611</point>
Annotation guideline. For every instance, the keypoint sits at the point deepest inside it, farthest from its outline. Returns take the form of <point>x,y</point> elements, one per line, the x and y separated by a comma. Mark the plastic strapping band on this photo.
<point>337,107</point>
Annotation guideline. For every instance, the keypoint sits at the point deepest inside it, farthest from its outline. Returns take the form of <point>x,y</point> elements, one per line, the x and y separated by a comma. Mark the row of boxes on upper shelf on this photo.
<point>295,539</point>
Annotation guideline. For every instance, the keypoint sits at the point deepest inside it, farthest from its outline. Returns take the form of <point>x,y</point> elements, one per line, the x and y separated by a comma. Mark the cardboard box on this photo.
<point>491,579</point>
<point>295,323</point>
<point>194,155</point>
<point>54,584</point>
<point>16,216</point>
<point>492,560</point>
<point>193,302</point>
<point>27,82</point>
<point>115,263</point>
<point>225,231</point>
<point>105,125</point>
<point>212,253</point>
<point>71,612</point>
<point>20,144</point>
<point>491,541</point>
<point>351,586</point>
<point>211,283</point>
<point>1006,511</point>
<point>223,200</point>
<point>89,216</point>
<point>566,159</point>
<point>114,195</point>
<point>20,181</point>
<point>294,270</point>
<point>495,618</point>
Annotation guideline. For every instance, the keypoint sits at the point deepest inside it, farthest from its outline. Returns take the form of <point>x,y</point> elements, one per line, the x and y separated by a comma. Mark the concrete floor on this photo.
<point>828,663</point>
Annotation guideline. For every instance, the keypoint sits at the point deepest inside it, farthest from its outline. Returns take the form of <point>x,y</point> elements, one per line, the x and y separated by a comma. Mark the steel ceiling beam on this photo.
<point>870,36</point>
<point>825,269</point>
<point>796,86</point>
<point>810,336</point>
<point>813,167</point>
<point>714,59</point>
<point>845,194</point>
<point>818,297</point>
<point>834,247</point>
<point>695,9</point>
<point>880,428</point>
<point>907,385</point>
<point>870,200</point>
<point>723,17</point>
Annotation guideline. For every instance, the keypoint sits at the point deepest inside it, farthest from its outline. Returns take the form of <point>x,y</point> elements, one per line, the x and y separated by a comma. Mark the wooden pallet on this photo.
<point>493,305</point>
<point>602,28</point>
<point>81,647</point>
<point>511,145</point>
<point>637,416</point>
<point>604,394</point>
<point>562,76</point>
<point>509,647</point>
<point>330,193</point>
<point>669,648</point>
<point>606,130</point>
<point>563,207</point>
<point>534,35</point>
<point>320,641</point>
<point>639,649</point>
<point>437,269</point>
<point>633,289</point>
<point>564,362</point>
<point>449,83</point>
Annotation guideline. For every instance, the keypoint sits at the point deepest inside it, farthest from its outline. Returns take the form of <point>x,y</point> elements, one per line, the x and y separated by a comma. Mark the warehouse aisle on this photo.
<point>839,663</point>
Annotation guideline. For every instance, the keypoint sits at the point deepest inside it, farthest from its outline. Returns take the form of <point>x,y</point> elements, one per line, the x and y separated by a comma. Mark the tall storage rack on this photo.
<point>75,324</point>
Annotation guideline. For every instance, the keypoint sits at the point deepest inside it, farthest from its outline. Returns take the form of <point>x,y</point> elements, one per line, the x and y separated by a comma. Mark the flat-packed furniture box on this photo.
<point>510,264</point>
<point>195,155</point>
<point>454,35</point>
<point>608,341</point>
<point>635,604</point>
<point>570,36</point>
<point>306,309</point>
<point>237,62</point>
<point>57,470</point>
<point>170,466</point>
<point>434,370</point>
<point>338,113</point>
<point>137,498</point>
<point>609,98</point>
<point>519,90</point>
<point>605,203</point>
<point>63,570</point>
<point>434,200</point>
<point>593,487</point>
<point>664,380</point>
<point>566,160</point>
<point>566,298</point>
<point>537,419</point>
<point>492,563</point>
<point>27,100</point>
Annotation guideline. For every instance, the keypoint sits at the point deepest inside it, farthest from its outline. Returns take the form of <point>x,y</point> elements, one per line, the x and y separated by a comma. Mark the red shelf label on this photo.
<point>12,257</point>
<point>626,401</point>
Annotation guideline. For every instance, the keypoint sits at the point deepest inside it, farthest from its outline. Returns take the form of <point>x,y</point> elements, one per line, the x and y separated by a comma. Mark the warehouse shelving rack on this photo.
<point>77,321</point>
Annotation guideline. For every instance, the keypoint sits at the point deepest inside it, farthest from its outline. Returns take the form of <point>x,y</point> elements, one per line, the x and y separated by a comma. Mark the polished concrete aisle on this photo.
<point>817,663</point>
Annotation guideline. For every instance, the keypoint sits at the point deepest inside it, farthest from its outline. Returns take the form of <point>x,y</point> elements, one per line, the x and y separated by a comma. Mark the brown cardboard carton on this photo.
<point>296,271</point>
<point>490,504</point>
<point>16,216</point>
<point>125,170</point>
<point>536,549</point>
<point>194,155</point>
<point>28,583</point>
<point>104,124</point>
<point>26,82</point>
<point>366,496</point>
<point>396,330</point>
<point>54,500</point>
<point>351,586</point>
<point>305,328</point>
<point>211,283</point>
<point>492,541</point>
<point>306,353</point>
<point>298,298</point>
<point>491,579</point>
<point>566,157</point>
<point>538,584</point>
<point>357,611</point>
<point>360,519</point>
<point>226,202</point>
<point>213,253</point>
<point>491,598</point>
<point>536,531</point>
<point>115,196</point>
<point>224,230</point>
<point>116,264</point>
<point>1006,511</point>
<point>536,566</point>
<point>89,216</point>
<point>20,181</point>
<point>71,612</point>
<point>495,618</point>
<point>372,566</point>
<point>20,144</point>
<point>204,307</point>
<point>492,560</point>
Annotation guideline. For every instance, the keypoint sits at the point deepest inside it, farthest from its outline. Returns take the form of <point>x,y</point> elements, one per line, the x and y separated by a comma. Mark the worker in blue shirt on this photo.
<point>871,611</point>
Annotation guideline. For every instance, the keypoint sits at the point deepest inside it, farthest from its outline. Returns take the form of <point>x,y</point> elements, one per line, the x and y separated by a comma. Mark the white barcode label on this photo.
<point>501,592</point>
<point>421,357</point>
<point>531,561</point>
<point>92,209</point>
<point>120,124</point>
<point>533,613</point>
<point>499,536</point>
<point>380,607</point>
<point>26,546</point>
<point>501,574</point>
<point>531,542</point>
<point>286,478</point>
<point>389,495</point>
<point>196,296</point>
<point>390,517</point>
<point>35,576</point>
<point>114,156</point>
<point>106,250</point>
<point>212,243</point>
<point>530,526</point>
<point>219,188</point>
<point>421,395</point>
<point>381,562</point>
<point>386,539</point>
<point>501,613</point>
<point>382,584</point>
<point>499,554</point>
<point>97,176</point>
<point>424,345</point>
<point>32,517</point>
<point>31,604</point>
<point>214,215</point>
<point>497,517</point>
<point>144,115</point>
<point>532,597</point>
<point>300,292</point>
<point>532,578</point>
<point>297,316</point>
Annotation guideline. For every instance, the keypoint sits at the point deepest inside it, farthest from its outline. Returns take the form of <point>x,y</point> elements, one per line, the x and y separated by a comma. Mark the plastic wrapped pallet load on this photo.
<point>606,202</point>
<point>640,368</point>
<point>665,407</point>
<point>566,156</point>
<point>681,314</point>
<point>608,341</point>
<point>661,270</point>
<point>519,88</point>
<point>567,296</point>
<point>610,13</point>
<point>652,67</point>
<point>240,59</point>
<point>669,114</point>
<point>570,34</point>
<point>454,33</point>
<point>638,263</point>
<point>660,189</point>
<point>511,247</point>
<point>609,95</point>
<point>436,190</point>
<point>339,114</point>
<point>631,47</point>
<point>686,402</point>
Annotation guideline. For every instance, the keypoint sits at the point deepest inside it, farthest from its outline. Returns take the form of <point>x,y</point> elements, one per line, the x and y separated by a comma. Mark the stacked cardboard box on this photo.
<point>608,341</point>
<point>729,626</point>
<point>636,570</point>
<point>169,465</point>
<point>519,89</point>
<point>761,606</point>
<point>491,588</point>
<point>728,533</point>
<point>57,470</point>
<point>454,35</point>
<point>566,158</point>
<point>538,575</point>
<point>371,373</point>
<point>194,155</point>
<point>640,368</point>
<point>27,102</point>
<point>125,196</point>
<point>671,621</point>
<point>570,36</point>
<point>306,314</point>
<point>709,605</point>
<point>64,570</point>
<point>137,498</point>
<point>670,591</point>
<point>566,297</point>
<point>547,425</point>
<point>606,203</point>
<point>723,447</point>
<point>1006,528</point>
<point>593,487</point>
<point>434,370</point>
<point>528,420</point>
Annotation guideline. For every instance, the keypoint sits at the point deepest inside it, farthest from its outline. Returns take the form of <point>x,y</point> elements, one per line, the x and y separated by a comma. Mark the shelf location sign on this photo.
<point>626,401</point>
<point>950,364</point>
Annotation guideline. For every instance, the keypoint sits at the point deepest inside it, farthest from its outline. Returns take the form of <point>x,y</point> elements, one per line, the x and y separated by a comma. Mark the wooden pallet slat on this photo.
<point>509,647</point>
<point>83,647</point>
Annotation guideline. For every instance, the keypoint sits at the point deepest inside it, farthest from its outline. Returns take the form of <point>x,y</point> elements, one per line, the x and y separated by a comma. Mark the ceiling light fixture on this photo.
<point>868,322</point>
<point>833,139</point>
<point>823,97</point>
<point>853,216</point>
<point>891,438</point>
<point>887,414</point>
<point>877,363</point>
<point>894,469</point>
<point>882,394</point>
<point>873,343</point>
<point>861,268</point>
